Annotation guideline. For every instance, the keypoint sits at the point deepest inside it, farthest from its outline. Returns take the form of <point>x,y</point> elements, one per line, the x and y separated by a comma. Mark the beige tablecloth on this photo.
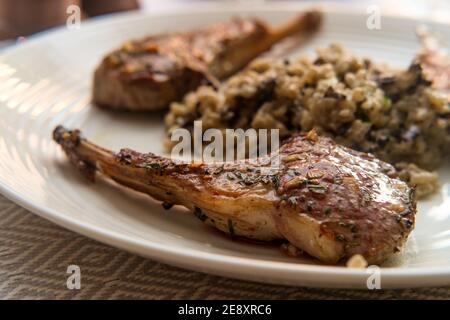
<point>35,254</point>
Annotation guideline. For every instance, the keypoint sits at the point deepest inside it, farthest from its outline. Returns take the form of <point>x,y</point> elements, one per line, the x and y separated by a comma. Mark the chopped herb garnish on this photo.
<point>295,182</point>
<point>311,135</point>
<point>230,176</point>
<point>317,188</point>
<point>275,181</point>
<point>231,228</point>
<point>350,226</point>
<point>292,200</point>
<point>167,205</point>
<point>408,224</point>
<point>153,165</point>
<point>362,115</point>
<point>240,175</point>
<point>314,174</point>
<point>199,214</point>
<point>218,170</point>
<point>338,180</point>
<point>387,102</point>
<point>291,173</point>
<point>292,157</point>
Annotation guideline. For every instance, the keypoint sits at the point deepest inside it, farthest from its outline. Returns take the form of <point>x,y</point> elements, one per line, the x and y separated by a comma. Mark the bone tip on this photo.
<point>69,140</point>
<point>58,133</point>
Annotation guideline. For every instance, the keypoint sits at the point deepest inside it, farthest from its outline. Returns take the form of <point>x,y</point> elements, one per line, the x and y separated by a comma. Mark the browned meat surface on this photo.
<point>150,73</point>
<point>325,199</point>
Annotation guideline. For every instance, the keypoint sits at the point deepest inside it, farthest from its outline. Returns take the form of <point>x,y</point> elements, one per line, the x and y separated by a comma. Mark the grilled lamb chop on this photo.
<point>150,73</point>
<point>325,199</point>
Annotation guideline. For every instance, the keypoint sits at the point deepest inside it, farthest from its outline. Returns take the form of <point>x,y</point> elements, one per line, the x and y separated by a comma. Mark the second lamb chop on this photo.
<point>325,199</point>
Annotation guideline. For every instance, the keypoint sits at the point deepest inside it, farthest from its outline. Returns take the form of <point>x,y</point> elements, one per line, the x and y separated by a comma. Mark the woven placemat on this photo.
<point>35,254</point>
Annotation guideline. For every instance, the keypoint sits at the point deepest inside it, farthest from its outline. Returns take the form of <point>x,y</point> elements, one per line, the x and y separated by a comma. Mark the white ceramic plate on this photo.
<point>46,81</point>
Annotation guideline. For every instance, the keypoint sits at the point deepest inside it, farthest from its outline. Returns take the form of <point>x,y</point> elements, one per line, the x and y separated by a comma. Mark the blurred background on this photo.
<point>21,18</point>
<point>24,17</point>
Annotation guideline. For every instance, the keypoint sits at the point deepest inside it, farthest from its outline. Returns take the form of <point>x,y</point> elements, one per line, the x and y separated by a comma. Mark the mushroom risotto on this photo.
<point>395,114</point>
